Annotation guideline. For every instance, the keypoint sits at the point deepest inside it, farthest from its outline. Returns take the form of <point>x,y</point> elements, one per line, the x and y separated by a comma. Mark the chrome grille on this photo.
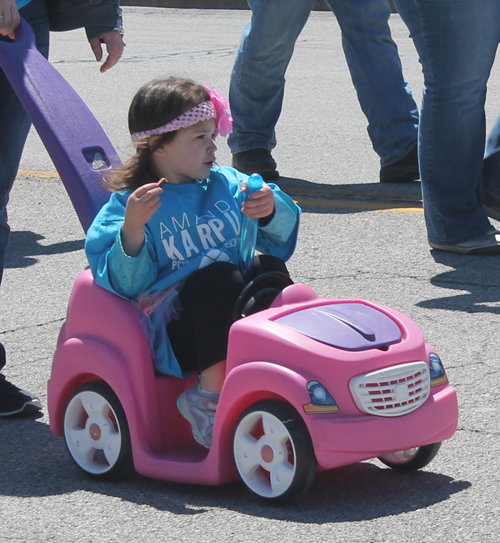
<point>393,391</point>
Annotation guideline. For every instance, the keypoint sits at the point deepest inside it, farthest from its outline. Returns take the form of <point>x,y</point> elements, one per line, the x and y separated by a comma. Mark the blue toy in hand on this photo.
<point>249,228</point>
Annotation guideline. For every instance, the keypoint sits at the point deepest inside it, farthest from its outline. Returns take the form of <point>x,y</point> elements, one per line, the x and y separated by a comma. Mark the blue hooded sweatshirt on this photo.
<point>197,224</point>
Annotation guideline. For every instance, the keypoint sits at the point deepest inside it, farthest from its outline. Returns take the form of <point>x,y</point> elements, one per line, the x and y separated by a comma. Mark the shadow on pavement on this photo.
<point>353,197</point>
<point>35,463</point>
<point>24,247</point>
<point>476,275</point>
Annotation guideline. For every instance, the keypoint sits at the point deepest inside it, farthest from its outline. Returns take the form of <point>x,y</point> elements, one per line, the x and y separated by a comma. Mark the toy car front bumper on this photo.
<point>341,440</point>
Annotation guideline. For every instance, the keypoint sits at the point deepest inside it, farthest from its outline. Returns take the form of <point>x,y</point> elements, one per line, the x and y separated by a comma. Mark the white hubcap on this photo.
<point>92,432</point>
<point>402,457</point>
<point>264,454</point>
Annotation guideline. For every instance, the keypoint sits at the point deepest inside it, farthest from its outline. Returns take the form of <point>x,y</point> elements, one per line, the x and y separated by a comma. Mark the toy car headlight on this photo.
<point>322,401</point>
<point>438,375</point>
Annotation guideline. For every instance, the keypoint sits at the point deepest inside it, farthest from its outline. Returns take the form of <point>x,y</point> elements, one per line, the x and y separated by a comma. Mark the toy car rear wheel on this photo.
<point>411,459</point>
<point>273,451</point>
<point>96,432</point>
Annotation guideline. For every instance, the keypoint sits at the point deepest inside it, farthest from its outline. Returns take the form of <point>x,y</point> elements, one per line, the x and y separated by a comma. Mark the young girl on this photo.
<point>168,238</point>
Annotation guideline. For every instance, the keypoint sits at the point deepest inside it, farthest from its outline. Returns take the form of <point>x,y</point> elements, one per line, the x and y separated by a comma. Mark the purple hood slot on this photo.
<point>351,326</point>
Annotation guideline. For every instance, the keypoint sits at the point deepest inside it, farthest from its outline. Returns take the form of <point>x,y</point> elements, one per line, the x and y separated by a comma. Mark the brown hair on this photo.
<point>155,104</point>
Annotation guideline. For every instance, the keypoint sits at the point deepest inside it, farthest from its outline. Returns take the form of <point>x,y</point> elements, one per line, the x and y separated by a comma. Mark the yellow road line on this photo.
<point>358,205</point>
<point>35,173</point>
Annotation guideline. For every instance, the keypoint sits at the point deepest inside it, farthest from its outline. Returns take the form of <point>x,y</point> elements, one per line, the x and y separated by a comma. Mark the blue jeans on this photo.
<point>491,164</point>
<point>258,76</point>
<point>15,125</point>
<point>456,41</point>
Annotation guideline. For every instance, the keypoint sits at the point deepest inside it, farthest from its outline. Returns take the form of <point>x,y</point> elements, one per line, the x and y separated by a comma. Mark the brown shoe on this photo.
<point>256,161</point>
<point>404,170</point>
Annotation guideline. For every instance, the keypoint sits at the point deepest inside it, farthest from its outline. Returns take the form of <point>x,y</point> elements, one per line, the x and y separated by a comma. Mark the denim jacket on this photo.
<point>97,16</point>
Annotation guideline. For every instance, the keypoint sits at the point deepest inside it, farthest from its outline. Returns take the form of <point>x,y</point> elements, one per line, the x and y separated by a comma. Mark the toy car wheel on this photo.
<point>273,451</point>
<point>96,432</point>
<point>411,459</point>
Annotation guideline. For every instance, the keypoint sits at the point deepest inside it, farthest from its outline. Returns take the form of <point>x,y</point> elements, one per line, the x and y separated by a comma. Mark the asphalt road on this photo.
<point>357,239</point>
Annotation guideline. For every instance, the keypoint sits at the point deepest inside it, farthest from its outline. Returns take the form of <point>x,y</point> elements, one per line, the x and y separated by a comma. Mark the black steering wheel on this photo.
<point>260,293</point>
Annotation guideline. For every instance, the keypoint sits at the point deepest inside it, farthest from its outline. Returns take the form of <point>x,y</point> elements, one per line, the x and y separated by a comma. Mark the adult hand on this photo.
<point>114,47</point>
<point>260,204</point>
<point>9,17</point>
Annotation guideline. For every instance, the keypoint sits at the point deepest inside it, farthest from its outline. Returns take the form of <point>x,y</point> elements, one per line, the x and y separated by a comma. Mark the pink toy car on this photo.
<point>312,384</point>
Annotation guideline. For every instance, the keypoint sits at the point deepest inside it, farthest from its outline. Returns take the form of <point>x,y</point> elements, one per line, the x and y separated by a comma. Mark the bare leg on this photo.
<point>213,377</point>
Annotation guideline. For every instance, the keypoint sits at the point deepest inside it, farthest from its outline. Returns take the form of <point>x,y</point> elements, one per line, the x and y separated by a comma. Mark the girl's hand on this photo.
<point>261,203</point>
<point>141,206</point>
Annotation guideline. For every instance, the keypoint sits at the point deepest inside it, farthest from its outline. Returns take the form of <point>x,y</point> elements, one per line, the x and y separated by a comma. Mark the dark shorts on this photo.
<point>199,338</point>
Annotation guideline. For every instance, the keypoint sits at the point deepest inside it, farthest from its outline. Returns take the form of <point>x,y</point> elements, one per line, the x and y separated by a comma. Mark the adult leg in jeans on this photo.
<point>491,164</point>
<point>490,191</point>
<point>13,133</point>
<point>258,77</point>
<point>384,95</point>
<point>456,41</point>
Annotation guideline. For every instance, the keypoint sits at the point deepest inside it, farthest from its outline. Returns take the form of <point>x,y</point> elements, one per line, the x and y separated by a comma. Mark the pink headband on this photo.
<point>217,108</point>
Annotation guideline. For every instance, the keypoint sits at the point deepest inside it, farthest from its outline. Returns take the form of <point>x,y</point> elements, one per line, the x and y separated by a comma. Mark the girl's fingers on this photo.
<point>258,212</point>
<point>147,191</point>
<point>147,187</point>
<point>265,193</point>
<point>146,202</point>
<point>260,204</point>
<point>145,199</point>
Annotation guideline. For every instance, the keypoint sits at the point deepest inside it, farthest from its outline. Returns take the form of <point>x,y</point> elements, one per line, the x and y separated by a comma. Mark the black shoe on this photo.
<point>404,170</point>
<point>14,401</point>
<point>491,204</point>
<point>256,161</point>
